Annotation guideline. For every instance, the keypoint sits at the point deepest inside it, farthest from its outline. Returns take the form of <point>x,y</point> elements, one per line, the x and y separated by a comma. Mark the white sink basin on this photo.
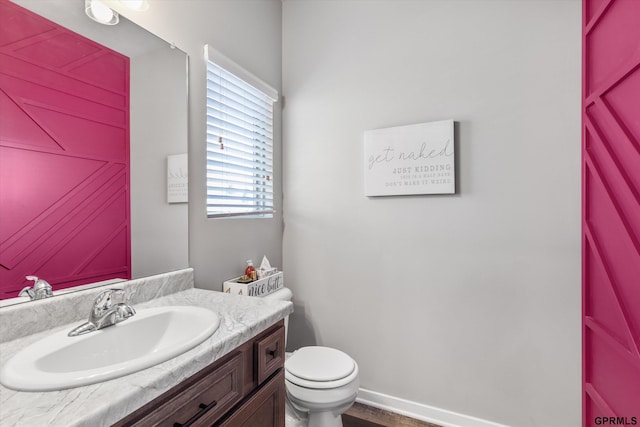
<point>150,337</point>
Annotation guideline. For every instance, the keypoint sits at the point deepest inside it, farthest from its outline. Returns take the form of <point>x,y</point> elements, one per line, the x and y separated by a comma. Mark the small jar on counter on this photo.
<point>250,271</point>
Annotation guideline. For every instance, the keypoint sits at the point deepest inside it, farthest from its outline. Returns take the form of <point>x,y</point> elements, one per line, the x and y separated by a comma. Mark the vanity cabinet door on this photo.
<point>263,409</point>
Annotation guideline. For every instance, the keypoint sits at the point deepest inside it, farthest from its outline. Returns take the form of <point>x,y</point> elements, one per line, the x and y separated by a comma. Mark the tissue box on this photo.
<point>266,273</point>
<point>257,288</point>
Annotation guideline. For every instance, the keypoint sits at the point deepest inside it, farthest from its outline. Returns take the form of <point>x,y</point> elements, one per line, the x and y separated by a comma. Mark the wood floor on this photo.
<point>360,415</point>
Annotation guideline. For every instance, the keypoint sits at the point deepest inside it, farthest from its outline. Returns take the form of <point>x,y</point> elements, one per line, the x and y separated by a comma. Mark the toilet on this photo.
<point>321,382</point>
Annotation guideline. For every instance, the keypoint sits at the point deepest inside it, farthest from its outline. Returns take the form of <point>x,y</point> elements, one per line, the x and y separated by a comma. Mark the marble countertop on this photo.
<point>104,403</point>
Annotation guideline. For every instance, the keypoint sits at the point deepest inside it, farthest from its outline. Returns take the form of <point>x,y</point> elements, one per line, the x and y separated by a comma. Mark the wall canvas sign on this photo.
<point>414,159</point>
<point>177,178</point>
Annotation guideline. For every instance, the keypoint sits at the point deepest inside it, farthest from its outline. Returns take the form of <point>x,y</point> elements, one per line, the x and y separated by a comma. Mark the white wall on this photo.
<point>471,302</point>
<point>158,111</point>
<point>249,32</point>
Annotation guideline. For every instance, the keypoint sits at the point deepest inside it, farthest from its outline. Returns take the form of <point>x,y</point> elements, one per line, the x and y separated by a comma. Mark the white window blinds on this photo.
<point>239,140</point>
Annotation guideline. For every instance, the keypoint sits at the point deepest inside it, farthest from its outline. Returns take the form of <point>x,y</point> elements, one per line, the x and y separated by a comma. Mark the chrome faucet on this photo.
<point>104,313</point>
<point>41,289</point>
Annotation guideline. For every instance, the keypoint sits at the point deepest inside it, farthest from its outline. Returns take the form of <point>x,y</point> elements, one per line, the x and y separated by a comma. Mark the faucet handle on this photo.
<point>42,288</point>
<point>102,304</point>
<point>104,299</point>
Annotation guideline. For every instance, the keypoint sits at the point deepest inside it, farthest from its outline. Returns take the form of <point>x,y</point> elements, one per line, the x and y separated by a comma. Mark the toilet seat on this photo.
<point>319,367</point>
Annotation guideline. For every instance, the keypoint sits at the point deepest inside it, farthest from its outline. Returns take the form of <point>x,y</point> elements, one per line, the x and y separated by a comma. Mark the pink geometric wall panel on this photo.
<point>611,212</point>
<point>64,155</point>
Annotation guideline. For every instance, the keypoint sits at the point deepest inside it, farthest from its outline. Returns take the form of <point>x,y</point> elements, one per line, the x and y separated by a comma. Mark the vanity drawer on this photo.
<point>200,403</point>
<point>269,354</point>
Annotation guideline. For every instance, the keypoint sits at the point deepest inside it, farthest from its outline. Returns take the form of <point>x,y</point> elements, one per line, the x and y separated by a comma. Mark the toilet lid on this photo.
<point>320,364</point>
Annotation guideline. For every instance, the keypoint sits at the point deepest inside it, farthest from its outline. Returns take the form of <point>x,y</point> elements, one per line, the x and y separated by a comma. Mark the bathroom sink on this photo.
<point>150,337</point>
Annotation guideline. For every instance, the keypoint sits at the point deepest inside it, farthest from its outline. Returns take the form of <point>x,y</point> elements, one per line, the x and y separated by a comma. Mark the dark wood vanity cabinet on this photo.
<point>245,388</point>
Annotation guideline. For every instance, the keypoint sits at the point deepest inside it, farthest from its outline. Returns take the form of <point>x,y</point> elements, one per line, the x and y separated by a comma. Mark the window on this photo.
<point>239,140</point>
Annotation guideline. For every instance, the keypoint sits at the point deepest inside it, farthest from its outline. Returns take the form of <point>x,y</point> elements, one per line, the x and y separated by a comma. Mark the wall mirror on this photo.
<point>157,131</point>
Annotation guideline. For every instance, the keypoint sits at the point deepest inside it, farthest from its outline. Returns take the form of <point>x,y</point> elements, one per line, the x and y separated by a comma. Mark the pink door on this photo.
<point>611,212</point>
<point>64,155</point>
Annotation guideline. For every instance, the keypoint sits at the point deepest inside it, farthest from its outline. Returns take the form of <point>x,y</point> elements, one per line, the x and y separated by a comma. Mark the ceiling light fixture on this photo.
<point>100,12</point>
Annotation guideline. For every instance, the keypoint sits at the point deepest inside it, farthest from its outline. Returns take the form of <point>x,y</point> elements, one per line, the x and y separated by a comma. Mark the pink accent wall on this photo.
<point>64,155</point>
<point>611,210</point>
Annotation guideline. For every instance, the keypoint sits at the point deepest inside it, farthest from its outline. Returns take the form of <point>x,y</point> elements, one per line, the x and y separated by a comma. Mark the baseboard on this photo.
<point>421,412</point>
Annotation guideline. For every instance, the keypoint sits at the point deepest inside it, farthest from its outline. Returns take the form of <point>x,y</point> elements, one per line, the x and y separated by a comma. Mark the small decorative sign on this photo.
<point>414,159</point>
<point>177,178</point>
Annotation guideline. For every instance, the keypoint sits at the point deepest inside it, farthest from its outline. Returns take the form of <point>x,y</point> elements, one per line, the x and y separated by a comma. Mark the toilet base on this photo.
<point>294,418</point>
<point>324,419</point>
<point>316,415</point>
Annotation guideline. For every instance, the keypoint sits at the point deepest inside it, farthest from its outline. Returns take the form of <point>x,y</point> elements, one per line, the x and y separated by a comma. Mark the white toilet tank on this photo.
<point>283,294</point>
